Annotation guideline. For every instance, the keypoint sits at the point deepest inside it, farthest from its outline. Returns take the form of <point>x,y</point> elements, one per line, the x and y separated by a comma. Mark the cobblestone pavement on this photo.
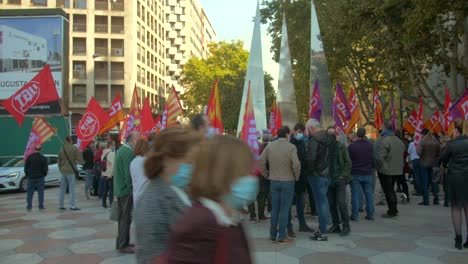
<point>419,235</point>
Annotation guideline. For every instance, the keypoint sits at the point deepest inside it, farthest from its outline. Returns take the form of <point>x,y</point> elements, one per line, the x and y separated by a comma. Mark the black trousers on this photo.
<point>404,185</point>
<point>388,186</point>
<point>337,202</point>
<point>124,216</point>
<point>262,198</point>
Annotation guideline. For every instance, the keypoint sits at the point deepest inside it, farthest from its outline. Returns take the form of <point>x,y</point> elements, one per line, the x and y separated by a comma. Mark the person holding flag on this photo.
<point>35,169</point>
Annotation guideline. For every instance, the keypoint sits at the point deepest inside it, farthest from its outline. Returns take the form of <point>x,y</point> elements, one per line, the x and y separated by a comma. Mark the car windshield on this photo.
<point>14,162</point>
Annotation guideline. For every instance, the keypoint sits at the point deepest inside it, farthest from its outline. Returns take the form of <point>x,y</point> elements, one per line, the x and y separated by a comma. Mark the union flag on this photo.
<point>116,114</point>
<point>90,124</point>
<point>213,110</point>
<point>41,131</point>
<point>172,110</point>
<point>355,112</point>
<point>249,127</point>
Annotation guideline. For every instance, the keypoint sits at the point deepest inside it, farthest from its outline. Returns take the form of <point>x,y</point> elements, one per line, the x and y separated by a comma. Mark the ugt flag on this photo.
<point>41,89</point>
<point>90,124</point>
<point>316,105</point>
<point>116,114</point>
<point>41,131</point>
<point>460,108</point>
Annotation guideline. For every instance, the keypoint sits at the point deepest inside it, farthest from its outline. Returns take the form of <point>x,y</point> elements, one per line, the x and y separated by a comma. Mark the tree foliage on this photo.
<point>228,64</point>
<point>391,44</point>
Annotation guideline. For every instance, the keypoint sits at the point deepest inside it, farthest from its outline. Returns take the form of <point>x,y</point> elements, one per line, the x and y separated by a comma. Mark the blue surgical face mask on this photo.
<point>299,136</point>
<point>210,133</point>
<point>183,175</point>
<point>243,191</point>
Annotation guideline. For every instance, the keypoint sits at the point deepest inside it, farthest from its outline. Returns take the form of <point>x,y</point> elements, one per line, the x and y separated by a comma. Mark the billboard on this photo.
<point>27,44</point>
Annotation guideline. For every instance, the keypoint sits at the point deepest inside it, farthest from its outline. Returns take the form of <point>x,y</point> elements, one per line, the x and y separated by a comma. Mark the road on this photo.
<point>419,235</point>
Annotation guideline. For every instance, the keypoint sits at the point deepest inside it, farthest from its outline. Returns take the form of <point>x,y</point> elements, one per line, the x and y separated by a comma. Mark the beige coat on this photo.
<point>282,160</point>
<point>109,172</point>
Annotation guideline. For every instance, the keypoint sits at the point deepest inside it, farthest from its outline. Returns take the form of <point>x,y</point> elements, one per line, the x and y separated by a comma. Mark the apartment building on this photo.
<point>188,35</point>
<point>114,45</point>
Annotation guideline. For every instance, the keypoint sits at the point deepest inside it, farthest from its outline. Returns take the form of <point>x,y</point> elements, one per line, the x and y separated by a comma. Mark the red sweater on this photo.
<point>197,238</point>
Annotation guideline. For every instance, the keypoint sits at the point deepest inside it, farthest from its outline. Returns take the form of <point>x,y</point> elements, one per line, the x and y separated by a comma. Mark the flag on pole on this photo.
<point>460,107</point>
<point>316,105</point>
<point>378,116</point>
<point>116,115</point>
<point>249,128</point>
<point>341,104</point>
<point>448,119</point>
<point>147,121</point>
<point>339,129</point>
<point>41,131</point>
<point>434,123</point>
<point>213,110</point>
<point>157,125</point>
<point>90,124</point>
<point>279,118</point>
<point>420,124</point>
<point>172,110</point>
<point>393,115</point>
<point>41,89</point>
<point>410,125</point>
<point>355,112</point>
<point>273,114</point>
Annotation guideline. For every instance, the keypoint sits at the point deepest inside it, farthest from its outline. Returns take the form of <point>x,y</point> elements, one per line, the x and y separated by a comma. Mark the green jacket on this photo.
<point>122,179</point>
<point>75,157</point>
<point>390,151</point>
<point>342,164</point>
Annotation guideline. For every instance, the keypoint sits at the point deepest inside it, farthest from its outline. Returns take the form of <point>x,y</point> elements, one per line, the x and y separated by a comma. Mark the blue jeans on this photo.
<point>67,180</point>
<point>417,175</point>
<point>35,184</point>
<point>426,182</point>
<point>108,190</point>
<point>282,193</point>
<point>300,204</point>
<point>366,183</point>
<point>88,181</point>
<point>319,187</point>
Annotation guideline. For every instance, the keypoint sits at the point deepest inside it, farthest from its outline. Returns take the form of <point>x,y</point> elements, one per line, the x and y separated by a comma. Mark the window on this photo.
<point>39,2</point>
<point>79,4</point>
<point>79,94</point>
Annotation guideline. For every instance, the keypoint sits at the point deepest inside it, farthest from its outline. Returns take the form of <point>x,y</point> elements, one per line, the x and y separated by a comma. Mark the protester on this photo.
<point>361,153</point>
<point>123,190</point>
<point>35,169</point>
<point>88,157</point>
<point>137,172</point>
<point>443,144</point>
<point>300,187</point>
<point>321,152</point>
<point>283,170</point>
<point>163,200</point>
<point>455,158</point>
<point>389,164</point>
<point>68,158</point>
<point>108,158</point>
<point>429,153</point>
<point>264,183</point>
<point>416,166</point>
<point>211,231</point>
<point>97,184</point>
<point>340,177</point>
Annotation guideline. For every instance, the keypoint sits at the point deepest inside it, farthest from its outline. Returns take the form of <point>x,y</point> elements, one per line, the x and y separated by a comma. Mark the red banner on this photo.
<point>378,115</point>
<point>90,124</point>
<point>116,114</point>
<point>214,110</point>
<point>147,122</point>
<point>410,125</point>
<point>41,89</point>
<point>41,131</point>
<point>249,128</point>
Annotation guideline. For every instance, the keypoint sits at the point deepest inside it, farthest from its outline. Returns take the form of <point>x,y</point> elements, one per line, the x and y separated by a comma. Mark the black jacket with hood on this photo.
<point>320,154</point>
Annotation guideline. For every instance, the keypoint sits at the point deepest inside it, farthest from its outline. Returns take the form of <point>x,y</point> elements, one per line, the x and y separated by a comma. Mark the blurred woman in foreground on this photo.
<point>163,200</point>
<point>210,231</point>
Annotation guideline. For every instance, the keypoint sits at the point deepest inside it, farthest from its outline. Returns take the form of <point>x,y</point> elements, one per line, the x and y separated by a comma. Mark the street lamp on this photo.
<point>95,55</point>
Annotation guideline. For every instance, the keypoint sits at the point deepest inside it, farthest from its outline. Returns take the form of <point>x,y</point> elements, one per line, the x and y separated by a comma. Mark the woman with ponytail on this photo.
<point>163,200</point>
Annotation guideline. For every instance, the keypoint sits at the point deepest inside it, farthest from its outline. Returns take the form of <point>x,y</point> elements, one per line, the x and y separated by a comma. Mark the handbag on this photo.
<point>71,163</point>
<point>114,212</point>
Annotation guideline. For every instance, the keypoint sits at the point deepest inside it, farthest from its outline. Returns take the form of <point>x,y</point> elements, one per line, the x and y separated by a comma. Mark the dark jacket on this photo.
<point>36,166</point>
<point>342,164</point>
<point>429,151</point>
<point>88,158</point>
<point>389,154</point>
<point>301,154</point>
<point>361,153</point>
<point>320,154</point>
<point>197,235</point>
<point>455,157</point>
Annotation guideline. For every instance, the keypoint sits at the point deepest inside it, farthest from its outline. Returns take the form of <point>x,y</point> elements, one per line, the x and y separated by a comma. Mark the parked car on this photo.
<point>12,176</point>
<point>81,172</point>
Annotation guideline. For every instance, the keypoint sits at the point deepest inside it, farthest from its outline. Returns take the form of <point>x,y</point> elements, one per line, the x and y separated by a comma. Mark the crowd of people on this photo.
<point>186,190</point>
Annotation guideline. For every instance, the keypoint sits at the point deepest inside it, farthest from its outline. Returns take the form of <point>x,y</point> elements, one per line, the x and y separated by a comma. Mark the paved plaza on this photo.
<point>419,235</point>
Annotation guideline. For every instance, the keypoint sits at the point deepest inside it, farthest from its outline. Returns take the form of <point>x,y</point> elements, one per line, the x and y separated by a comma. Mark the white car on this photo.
<point>12,175</point>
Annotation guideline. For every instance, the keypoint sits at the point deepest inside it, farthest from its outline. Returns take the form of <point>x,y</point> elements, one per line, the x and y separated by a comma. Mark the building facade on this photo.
<point>189,33</point>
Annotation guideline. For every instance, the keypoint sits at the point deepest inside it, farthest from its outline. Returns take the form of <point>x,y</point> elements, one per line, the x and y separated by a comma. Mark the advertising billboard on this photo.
<point>27,44</point>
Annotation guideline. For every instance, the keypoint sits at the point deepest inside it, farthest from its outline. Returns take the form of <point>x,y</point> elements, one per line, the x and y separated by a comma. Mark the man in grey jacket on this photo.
<point>389,160</point>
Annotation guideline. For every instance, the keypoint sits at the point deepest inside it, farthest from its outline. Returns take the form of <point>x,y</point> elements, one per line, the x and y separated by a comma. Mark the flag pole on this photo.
<point>64,118</point>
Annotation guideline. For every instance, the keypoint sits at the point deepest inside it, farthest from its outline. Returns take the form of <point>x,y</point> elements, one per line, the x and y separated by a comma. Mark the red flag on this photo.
<point>448,119</point>
<point>433,123</point>
<point>214,110</point>
<point>273,114</point>
<point>249,128</point>
<point>41,131</point>
<point>316,105</point>
<point>355,112</point>
<point>279,118</point>
<point>420,124</point>
<point>172,110</point>
<point>157,125</point>
<point>147,122</point>
<point>41,89</point>
<point>410,125</point>
<point>133,120</point>
<point>116,115</point>
<point>90,124</point>
<point>341,104</point>
<point>378,116</point>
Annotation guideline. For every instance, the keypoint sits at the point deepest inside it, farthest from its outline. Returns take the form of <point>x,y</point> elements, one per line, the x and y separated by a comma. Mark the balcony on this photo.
<point>101,28</point>
<point>79,51</point>
<point>117,75</point>
<point>183,47</point>
<point>172,68</point>
<point>172,18</point>
<point>117,52</point>
<point>101,5</point>
<point>172,51</point>
<point>178,57</point>
<point>178,41</point>
<point>178,26</point>
<point>79,74</point>
<point>172,34</point>
<point>178,10</point>
<point>118,29</point>
<point>79,27</point>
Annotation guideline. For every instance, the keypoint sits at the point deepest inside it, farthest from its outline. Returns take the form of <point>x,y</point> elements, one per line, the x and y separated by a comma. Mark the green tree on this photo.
<point>228,64</point>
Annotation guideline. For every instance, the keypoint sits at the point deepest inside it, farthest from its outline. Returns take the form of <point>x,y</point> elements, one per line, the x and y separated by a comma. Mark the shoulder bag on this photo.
<point>71,163</point>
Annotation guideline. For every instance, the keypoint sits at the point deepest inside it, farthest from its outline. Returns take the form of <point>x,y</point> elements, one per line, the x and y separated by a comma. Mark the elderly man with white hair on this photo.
<point>320,155</point>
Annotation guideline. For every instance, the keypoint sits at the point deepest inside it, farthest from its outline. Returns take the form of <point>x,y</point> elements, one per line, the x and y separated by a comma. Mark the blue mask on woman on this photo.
<point>183,175</point>
<point>243,191</point>
<point>299,136</point>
